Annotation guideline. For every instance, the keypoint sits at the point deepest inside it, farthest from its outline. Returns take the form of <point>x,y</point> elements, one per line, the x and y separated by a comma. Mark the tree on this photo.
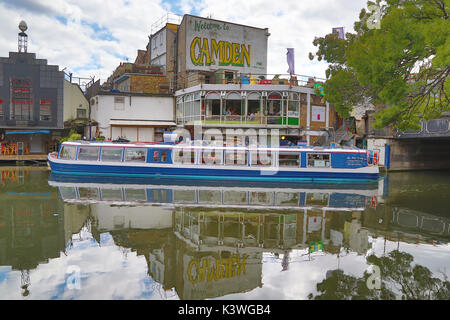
<point>399,279</point>
<point>401,62</point>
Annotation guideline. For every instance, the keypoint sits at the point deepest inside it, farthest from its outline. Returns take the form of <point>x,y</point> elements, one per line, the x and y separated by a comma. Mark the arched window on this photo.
<point>234,106</point>
<point>274,108</point>
<point>293,112</point>
<point>212,105</point>
<point>254,111</point>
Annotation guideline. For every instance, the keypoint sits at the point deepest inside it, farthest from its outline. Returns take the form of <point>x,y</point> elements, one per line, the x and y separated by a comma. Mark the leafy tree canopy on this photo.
<point>398,57</point>
<point>400,279</point>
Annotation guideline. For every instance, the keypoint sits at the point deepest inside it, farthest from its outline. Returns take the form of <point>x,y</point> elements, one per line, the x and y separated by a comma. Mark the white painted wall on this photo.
<point>378,145</point>
<point>140,217</point>
<point>73,99</point>
<point>147,108</point>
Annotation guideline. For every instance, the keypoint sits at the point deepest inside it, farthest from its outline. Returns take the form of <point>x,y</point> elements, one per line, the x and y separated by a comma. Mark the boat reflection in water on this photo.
<point>151,240</point>
<point>213,239</point>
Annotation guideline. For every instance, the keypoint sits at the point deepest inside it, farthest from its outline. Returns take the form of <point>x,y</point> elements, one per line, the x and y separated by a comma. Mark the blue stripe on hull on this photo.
<point>215,174</point>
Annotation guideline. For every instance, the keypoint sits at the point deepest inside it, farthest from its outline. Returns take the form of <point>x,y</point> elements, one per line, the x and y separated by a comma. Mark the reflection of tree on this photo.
<point>398,279</point>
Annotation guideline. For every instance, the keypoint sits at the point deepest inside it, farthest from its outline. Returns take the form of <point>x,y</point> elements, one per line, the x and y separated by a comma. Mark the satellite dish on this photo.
<point>23,26</point>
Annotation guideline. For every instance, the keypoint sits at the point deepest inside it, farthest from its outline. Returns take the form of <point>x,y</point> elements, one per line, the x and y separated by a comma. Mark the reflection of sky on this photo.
<point>303,274</point>
<point>107,272</point>
<point>112,272</point>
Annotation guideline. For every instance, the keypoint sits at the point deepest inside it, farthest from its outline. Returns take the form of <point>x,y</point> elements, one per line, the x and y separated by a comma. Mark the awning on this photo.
<point>142,123</point>
<point>28,132</point>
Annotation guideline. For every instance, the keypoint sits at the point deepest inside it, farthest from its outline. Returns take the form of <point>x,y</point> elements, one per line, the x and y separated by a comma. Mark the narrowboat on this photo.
<point>200,160</point>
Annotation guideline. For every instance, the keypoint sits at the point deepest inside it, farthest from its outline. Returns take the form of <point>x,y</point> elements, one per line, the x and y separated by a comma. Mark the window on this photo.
<point>184,156</point>
<point>111,194</point>
<point>21,93</point>
<point>319,160</point>
<point>68,152</point>
<point>212,157</point>
<point>135,195</point>
<point>236,157</point>
<point>88,153</point>
<point>45,113</point>
<point>289,159</point>
<point>155,156</point>
<point>261,158</point>
<point>81,114</point>
<point>164,156</point>
<point>135,154</point>
<point>2,114</point>
<point>112,154</point>
<point>119,103</point>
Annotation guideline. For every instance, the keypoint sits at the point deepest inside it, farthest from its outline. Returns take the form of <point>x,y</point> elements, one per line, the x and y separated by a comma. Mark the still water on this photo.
<point>62,239</point>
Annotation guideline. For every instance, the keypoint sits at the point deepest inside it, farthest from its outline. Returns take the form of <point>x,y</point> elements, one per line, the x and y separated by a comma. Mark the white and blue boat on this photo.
<point>208,161</point>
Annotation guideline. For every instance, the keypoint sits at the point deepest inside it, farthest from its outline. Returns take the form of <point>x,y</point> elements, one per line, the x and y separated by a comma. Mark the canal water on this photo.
<point>88,239</point>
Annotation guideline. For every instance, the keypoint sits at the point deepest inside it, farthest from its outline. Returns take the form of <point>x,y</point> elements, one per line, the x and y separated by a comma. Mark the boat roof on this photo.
<point>211,145</point>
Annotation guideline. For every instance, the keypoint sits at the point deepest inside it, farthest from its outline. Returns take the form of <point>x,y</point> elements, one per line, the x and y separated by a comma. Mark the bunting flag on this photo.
<point>340,32</point>
<point>290,61</point>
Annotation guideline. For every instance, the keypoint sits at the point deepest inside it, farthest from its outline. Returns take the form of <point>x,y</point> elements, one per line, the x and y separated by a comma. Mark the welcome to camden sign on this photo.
<point>212,45</point>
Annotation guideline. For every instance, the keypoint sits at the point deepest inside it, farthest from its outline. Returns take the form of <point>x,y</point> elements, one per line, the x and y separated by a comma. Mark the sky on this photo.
<point>89,38</point>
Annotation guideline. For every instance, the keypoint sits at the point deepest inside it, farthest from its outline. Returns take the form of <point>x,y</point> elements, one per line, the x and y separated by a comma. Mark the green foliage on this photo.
<point>403,66</point>
<point>100,139</point>
<point>400,279</point>
<point>73,136</point>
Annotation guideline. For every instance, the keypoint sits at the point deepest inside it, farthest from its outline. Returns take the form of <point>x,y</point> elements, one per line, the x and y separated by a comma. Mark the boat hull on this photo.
<point>196,172</point>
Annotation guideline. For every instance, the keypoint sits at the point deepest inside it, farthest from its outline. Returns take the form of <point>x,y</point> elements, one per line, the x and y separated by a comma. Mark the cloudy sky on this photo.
<point>91,37</point>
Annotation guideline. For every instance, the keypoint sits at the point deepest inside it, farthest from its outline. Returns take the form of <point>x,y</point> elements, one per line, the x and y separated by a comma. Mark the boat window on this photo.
<point>135,154</point>
<point>112,194</point>
<point>212,157</point>
<point>289,159</point>
<point>164,156</point>
<point>183,156</point>
<point>88,193</point>
<point>155,156</point>
<point>68,152</point>
<point>68,192</point>
<point>236,157</point>
<point>261,158</point>
<point>319,199</point>
<point>88,153</point>
<point>235,197</point>
<point>135,195</point>
<point>111,154</point>
<point>319,160</point>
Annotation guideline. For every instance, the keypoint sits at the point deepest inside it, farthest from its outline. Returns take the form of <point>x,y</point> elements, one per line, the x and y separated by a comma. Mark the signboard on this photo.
<point>318,113</point>
<point>213,44</point>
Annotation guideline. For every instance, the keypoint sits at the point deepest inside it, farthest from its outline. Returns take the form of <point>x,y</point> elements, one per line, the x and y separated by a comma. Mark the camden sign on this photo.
<point>213,45</point>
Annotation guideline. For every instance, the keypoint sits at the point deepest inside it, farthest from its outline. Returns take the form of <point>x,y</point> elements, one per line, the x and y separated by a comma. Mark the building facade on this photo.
<point>31,103</point>
<point>133,116</point>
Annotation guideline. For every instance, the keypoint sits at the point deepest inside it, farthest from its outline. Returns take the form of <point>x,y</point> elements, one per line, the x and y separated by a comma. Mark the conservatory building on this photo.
<point>296,112</point>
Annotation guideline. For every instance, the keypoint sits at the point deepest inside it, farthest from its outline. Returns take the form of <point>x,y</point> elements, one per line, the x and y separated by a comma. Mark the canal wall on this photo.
<point>419,154</point>
<point>411,154</point>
